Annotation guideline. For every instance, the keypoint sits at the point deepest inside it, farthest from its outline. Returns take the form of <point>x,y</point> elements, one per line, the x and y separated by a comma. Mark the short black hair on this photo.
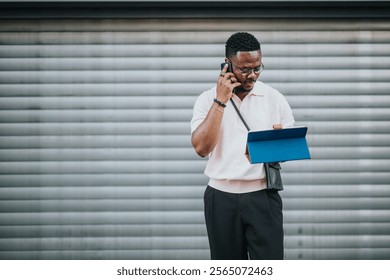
<point>241,41</point>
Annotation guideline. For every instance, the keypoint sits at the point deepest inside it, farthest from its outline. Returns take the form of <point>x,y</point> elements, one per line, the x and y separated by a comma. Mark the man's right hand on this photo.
<point>226,83</point>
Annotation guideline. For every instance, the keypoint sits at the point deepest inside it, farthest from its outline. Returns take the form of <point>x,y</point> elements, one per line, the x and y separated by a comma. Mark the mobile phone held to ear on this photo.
<point>229,70</point>
<point>229,67</point>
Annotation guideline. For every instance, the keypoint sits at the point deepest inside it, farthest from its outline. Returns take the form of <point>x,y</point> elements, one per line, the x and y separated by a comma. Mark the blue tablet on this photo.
<point>278,145</point>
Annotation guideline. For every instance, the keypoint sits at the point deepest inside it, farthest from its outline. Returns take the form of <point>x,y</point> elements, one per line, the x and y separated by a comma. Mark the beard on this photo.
<point>246,86</point>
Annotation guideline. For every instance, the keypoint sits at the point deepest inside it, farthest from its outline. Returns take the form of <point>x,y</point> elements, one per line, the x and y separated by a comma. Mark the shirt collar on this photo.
<point>257,89</point>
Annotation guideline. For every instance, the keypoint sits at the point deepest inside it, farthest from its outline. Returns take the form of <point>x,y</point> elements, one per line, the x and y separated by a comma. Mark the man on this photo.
<point>243,219</point>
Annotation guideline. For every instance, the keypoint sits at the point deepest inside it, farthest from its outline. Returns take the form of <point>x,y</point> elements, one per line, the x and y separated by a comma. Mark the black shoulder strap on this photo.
<point>239,114</point>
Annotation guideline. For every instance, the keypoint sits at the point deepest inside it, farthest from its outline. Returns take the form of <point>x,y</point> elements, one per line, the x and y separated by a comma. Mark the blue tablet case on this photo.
<point>278,145</point>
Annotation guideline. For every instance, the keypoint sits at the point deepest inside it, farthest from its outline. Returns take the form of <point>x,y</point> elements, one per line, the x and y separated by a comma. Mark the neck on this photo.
<point>241,94</point>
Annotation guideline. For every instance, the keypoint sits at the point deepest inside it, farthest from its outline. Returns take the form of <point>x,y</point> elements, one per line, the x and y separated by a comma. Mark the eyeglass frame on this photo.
<point>261,69</point>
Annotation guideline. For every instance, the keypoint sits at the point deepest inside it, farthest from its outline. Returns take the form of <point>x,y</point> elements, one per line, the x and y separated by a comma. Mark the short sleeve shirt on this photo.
<point>261,108</point>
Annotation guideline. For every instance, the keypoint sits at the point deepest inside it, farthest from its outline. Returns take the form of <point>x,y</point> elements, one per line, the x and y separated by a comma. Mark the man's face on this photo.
<point>246,66</point>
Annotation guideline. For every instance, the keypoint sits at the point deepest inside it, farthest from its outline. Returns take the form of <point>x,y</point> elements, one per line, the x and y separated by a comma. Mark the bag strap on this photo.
<point>239,114</point>
<point>272,185</point>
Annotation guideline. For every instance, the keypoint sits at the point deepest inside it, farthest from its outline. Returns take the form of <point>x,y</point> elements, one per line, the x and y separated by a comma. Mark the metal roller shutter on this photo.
<point>95,153</point>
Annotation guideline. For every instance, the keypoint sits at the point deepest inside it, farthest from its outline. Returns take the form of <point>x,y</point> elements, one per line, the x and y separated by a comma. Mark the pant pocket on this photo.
<point>275,204</point>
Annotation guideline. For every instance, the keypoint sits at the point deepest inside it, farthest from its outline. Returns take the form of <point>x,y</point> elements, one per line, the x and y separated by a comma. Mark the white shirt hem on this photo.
<point>238,186</point>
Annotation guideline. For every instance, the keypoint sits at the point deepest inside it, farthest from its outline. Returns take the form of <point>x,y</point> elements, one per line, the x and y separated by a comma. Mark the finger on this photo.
<point>230,75</point>
<point>227,81</point>
<point>231,78</point>
<point>233,86</point>
<point>224,69</point>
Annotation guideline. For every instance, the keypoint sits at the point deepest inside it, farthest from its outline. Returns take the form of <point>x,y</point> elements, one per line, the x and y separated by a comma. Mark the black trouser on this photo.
<point>242,226</point>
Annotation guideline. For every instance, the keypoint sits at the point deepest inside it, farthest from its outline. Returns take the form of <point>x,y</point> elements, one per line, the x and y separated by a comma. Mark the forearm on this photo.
<point>206,136</point>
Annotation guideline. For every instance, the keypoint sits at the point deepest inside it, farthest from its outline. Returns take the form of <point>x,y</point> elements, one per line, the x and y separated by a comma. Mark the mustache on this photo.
<point>251,80</point>
<point>248,81</point>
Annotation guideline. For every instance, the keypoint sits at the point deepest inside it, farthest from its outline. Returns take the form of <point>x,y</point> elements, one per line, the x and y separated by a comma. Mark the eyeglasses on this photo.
<point>246,71</point>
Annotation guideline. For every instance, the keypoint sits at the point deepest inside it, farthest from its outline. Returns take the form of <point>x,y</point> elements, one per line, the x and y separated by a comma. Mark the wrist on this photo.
<point>219,102</point>
<point>218,108</point>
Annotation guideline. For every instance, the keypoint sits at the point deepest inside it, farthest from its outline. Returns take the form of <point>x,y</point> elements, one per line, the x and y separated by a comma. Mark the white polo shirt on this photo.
<point>228,168</point>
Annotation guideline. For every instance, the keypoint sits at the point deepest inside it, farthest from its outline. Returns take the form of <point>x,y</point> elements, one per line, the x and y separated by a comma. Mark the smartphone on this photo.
<point>229,70</point>
<point>229,67</point>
